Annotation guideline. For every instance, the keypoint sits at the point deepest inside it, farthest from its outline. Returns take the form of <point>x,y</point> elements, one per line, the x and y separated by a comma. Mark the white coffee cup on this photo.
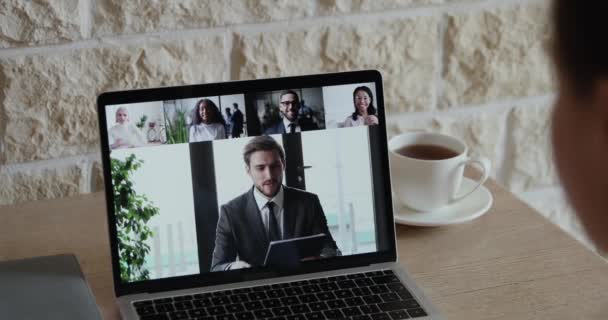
<point>426,185</point>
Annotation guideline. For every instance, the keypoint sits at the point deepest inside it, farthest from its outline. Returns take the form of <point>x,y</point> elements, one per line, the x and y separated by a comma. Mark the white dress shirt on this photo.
<point>261,200</point>
<point>207,132</point>
<point>286,123</point>
<point>349,122</point>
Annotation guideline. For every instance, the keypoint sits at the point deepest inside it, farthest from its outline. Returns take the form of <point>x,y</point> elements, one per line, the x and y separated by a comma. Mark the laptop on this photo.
<point>201,179</point>
<point>50,287</point>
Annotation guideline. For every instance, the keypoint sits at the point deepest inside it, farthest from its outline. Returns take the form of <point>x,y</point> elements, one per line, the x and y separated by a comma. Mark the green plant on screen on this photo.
<point>176,129</point>
<point>133,211</point>
<point>142,121</point>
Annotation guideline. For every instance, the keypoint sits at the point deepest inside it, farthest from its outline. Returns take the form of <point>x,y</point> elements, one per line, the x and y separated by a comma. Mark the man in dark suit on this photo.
<point>237,121</point>
<point>289,106</point>
<point>267,212</point>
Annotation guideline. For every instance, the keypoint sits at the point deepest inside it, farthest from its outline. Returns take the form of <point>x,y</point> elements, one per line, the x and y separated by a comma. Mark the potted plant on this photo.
<point>176,129</point>
<point>142,122</point>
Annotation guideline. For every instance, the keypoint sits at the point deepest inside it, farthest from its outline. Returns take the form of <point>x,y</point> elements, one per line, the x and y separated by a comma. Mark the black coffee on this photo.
<point>426,152</point>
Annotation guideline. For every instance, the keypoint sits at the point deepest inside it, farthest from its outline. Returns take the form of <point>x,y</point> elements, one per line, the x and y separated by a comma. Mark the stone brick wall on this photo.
<point>473,68</point>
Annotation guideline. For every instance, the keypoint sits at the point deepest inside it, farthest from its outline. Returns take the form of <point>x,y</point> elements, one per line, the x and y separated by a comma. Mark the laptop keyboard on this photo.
<point>370,295</point>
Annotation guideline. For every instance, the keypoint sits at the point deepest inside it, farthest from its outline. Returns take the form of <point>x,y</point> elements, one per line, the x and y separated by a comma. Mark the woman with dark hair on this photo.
<point>365,112</point>
<point>580,116</point>
<point>208,122</point>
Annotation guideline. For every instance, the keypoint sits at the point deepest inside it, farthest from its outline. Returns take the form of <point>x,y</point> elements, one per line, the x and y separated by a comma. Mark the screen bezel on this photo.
<point>379,150</point>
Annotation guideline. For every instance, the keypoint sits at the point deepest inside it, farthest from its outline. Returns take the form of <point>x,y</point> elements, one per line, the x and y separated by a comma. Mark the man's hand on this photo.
<point>239,265</point>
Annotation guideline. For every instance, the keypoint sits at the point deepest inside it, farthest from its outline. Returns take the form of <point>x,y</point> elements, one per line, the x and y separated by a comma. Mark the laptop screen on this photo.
<point>259,179</point>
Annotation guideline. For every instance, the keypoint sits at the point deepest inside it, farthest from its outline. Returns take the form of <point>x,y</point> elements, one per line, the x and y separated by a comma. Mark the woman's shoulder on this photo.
<point>348,122</point>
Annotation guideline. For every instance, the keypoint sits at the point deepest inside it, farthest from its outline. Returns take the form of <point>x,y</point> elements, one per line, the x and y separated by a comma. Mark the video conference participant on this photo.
<point>208,122</point>
<point>124,134</point>
<point>289,106</point>
<point>365,112</point>
<point>228,121</point>
<point>237,121</point>
<point>267,212</point>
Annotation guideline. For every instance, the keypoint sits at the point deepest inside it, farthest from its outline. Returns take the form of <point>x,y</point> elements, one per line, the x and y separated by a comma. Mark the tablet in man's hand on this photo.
<point>289,253</point>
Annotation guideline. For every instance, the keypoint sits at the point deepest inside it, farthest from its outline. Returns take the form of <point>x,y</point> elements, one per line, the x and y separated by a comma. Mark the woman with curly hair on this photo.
<point>208,122</point>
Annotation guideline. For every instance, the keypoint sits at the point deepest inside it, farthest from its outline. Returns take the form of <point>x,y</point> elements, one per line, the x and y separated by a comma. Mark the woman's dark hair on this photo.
<point>262,143</point>
<point>579,48</point>
<point>371,110</point>
<point>216,116</point>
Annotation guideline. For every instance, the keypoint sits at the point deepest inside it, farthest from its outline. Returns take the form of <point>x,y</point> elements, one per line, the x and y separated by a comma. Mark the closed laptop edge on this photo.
<point>50,287</point>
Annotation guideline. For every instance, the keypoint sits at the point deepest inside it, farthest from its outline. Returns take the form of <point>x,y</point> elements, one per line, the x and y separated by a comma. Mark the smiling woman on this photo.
<point>365,112</point>
<point>208,122</point>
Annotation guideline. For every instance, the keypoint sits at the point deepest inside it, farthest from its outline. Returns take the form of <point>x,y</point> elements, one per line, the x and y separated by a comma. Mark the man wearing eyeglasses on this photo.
<point>289,106</point>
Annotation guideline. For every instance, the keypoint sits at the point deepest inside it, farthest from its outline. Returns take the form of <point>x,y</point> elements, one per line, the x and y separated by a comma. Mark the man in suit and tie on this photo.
<point>237,121</point>
<point>269,211</point>
<point>289,106</point>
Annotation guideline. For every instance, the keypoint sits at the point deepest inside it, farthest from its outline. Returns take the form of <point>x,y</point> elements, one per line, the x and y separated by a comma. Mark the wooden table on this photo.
<point>509,264</point>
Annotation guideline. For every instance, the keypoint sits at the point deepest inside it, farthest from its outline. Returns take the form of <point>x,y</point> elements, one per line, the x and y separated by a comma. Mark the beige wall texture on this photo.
<point>475,69</point>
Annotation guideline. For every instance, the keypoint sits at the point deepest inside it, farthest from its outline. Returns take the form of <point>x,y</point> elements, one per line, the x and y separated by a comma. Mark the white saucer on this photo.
<point>467,209</point>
